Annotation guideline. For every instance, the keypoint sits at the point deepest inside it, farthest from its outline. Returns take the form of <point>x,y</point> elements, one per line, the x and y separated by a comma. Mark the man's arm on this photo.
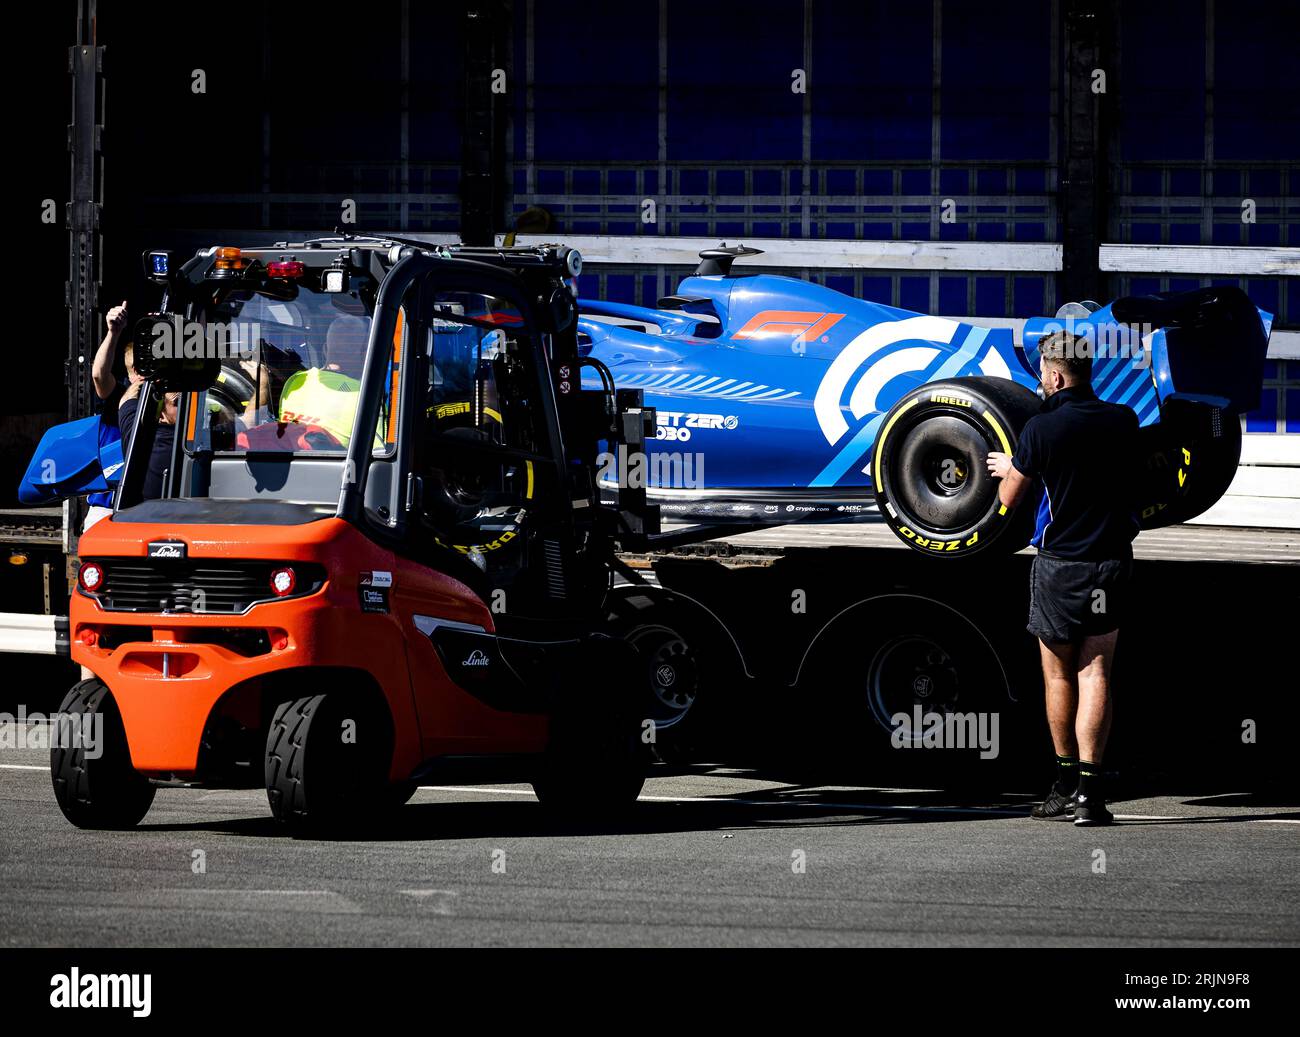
<point>1014,485</point>
<point>101,370</point>
<point>1016,473</point>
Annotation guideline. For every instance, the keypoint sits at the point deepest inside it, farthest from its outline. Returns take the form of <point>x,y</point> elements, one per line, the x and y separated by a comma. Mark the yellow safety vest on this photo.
<point>320,397</point>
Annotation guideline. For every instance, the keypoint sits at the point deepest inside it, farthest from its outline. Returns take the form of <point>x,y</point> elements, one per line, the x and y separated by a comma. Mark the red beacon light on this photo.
<point>289,269</point>
<point>282,582</point>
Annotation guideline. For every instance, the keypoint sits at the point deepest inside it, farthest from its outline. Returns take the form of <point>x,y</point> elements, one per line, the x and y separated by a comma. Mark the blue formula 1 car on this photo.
<point>779,400</point>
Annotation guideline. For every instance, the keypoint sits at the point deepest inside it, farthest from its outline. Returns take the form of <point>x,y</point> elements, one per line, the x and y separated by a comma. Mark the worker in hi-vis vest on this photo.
<point>327,396</point>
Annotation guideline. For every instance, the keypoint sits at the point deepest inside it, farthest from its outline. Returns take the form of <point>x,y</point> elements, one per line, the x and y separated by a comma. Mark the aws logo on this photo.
<point>804,326</point>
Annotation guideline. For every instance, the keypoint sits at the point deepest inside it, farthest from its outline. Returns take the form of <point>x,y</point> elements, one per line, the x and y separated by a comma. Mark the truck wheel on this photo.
<point>881,663</point>
<point>928,469</point>
<point>669,679</point>
<point>326,761</point>
<point>105,792</point>
<point>594,766</point>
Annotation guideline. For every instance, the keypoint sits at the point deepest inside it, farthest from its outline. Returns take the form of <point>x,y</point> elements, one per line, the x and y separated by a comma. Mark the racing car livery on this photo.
<point>779,400</point>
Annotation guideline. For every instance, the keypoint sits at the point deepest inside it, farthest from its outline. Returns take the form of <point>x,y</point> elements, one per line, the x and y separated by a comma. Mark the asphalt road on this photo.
<point>709,859</point>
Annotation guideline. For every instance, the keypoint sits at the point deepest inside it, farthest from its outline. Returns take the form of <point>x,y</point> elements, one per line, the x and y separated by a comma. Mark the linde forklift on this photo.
<point>379,556</point>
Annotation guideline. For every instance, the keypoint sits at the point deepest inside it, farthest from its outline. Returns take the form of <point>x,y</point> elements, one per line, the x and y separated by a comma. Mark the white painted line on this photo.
<point>883,807</point>
<point>21,767</point>
<point>263,892</point>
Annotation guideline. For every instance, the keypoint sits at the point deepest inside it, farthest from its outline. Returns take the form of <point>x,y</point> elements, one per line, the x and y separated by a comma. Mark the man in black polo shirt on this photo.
<point>1082,451</point>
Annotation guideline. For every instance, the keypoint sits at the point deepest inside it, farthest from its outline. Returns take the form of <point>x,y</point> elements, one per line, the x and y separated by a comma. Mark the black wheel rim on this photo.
<point>908,671</point>
<point>938,478</point>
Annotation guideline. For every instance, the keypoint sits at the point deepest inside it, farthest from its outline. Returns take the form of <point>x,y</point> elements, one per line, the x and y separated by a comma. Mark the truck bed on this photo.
<point>1174,543</point>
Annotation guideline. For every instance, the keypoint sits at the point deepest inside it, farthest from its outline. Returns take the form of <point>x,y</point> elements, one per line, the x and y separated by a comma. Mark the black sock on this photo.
<point>1067,774</point>
<point>1090,781</point>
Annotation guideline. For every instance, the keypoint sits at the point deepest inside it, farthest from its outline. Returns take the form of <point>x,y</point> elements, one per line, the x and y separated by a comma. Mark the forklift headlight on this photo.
<point>91,577</point>
<point>283,582</point>
<point>334,281</point>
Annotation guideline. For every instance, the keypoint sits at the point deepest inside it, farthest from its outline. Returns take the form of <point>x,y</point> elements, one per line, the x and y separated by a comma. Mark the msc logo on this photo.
<point>804,326</point>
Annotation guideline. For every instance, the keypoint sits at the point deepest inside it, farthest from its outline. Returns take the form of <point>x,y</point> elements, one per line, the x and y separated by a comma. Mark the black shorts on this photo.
<point>1070,600</point>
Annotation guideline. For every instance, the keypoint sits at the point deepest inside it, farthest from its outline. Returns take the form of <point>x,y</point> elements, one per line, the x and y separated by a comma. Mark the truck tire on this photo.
<point>669,678</point>
<point>886,657</point>
<point>928,468</point>
<point>327,762</point>
<point>105,792</point>
<point>595,762</point>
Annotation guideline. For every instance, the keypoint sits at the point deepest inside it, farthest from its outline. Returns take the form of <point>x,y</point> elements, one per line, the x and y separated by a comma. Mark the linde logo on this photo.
<point>73,990</point>
<point>476,658</point>
<point>166,549</point>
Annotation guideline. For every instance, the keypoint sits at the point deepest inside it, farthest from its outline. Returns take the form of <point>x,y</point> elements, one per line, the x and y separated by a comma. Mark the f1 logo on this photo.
<point>804,326</point>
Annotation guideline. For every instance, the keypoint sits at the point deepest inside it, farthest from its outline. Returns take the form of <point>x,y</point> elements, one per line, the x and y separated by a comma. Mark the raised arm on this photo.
<point>101,370</point>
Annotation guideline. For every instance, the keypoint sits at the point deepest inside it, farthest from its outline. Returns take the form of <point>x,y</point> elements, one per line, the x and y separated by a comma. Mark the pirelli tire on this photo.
<point>929,470</point>
<point>98,789</point>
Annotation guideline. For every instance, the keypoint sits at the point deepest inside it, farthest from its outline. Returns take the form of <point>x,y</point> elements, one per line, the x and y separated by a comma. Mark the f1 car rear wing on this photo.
<point>1204,346</point>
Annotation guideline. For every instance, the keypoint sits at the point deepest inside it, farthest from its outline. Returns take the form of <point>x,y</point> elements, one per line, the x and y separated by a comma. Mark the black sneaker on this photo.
<point>1090,813</point>
<point>1056,807</point>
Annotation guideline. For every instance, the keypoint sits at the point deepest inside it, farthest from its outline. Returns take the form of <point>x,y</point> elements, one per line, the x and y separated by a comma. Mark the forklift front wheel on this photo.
<point>90,762</point>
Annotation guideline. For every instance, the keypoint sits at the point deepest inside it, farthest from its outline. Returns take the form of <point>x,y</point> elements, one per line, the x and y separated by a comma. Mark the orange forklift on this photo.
<point>379,555</point>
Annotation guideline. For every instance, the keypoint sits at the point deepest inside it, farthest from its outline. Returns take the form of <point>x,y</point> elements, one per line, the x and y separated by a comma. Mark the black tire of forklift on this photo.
<point>104,793</point>
<point>931,483</point>
<point>596,760</point>
<point>883,658</point>
<point>321,773</point>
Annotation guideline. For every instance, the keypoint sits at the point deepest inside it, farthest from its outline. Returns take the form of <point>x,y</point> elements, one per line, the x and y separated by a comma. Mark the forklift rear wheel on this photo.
<point>326,761</point>
<point>595,763</point>
<point>103,792</point>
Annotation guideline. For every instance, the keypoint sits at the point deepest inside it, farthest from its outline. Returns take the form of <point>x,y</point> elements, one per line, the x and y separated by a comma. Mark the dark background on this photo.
<point>908,103</point>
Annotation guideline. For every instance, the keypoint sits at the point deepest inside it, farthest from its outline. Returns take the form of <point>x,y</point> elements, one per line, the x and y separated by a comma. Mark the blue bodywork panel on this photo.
<point>77,457</point>
<point>782,385</point>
